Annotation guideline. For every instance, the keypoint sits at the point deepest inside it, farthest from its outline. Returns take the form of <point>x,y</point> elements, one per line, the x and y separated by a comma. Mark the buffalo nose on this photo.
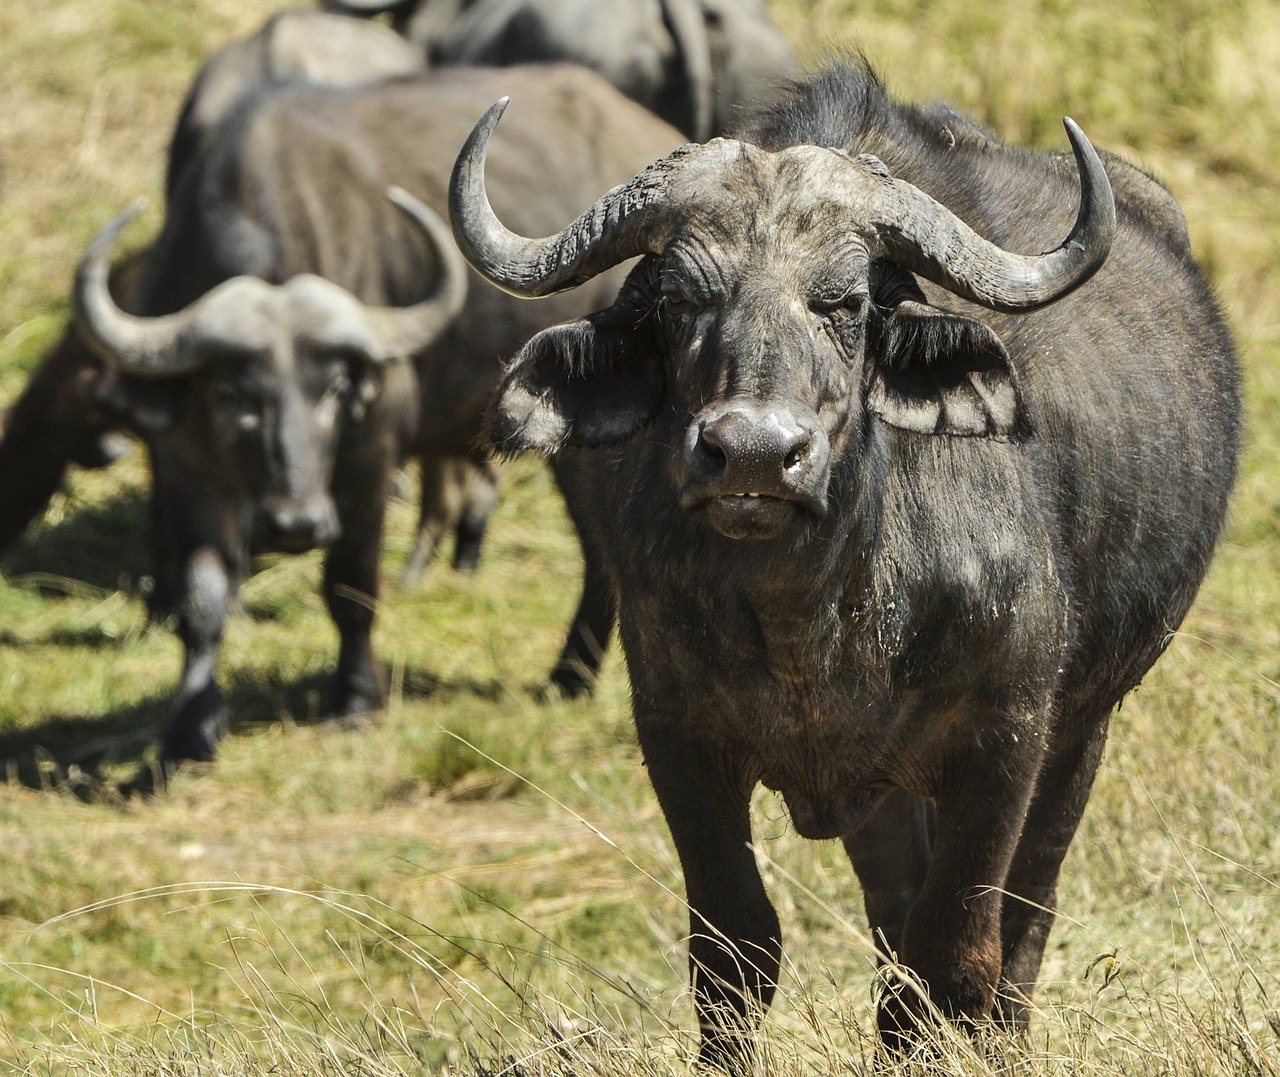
<point>757,451</point>
<point>294,526</point>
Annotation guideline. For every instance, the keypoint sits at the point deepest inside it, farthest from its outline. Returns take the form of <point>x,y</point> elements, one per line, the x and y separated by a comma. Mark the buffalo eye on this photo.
<point>242,408</point>
<point>339,383</point>
<point>851,304</point>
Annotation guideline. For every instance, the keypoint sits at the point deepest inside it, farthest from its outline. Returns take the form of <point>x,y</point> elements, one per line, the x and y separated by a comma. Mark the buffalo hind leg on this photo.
<point>1061,794</point>
<point>890,855</point>
<point>197,720</point>
<point>734,937</point>
<point>458,494</point>
<point>574,673</point>
<point>439,497</point>
<point>480,494</point>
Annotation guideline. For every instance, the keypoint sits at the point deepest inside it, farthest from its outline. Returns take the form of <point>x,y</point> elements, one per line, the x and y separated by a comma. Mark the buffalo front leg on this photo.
<point>951,941</point>
<point>351,593</point>
<point>734,938</point>
<point>890,855</point>
<point>1061,794</point>
<point>197,720</point>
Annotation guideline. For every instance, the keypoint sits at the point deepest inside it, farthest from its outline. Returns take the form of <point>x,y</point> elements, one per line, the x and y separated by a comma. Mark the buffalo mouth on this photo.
<point>295,529</point>
<point>749,515</point>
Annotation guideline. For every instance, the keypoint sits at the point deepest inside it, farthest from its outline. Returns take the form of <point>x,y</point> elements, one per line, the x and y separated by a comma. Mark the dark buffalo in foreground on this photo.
<point>272,419</point>
<point>896,511</point>
<point>701,65</point>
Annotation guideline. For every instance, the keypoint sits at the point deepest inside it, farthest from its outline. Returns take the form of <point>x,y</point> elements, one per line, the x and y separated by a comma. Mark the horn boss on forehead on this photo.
<point>911,227</point>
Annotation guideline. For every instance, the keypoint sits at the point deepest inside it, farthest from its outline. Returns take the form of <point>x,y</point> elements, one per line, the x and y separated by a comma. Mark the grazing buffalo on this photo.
<point>272,417</point>
<point>57,421</point>
<point>701,65</point>
<point>896,511</point>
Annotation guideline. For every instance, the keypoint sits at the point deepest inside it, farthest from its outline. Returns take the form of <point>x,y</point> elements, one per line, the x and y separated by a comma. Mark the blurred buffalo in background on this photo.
<point>257,363</point>
<point>702,65</point>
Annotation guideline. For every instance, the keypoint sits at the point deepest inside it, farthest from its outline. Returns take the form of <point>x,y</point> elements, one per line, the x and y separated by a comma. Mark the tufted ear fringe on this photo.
<point>939,373</point>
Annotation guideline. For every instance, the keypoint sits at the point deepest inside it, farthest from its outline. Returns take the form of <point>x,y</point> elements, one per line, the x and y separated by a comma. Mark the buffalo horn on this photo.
<point>911,227</point>
<point>402,332</point>
<point>921,234</point>
<point>143,346</point>
<point>634,218</point>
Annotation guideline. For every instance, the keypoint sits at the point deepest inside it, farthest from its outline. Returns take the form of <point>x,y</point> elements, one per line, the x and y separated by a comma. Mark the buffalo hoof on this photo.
<point>352,708</point>
<point>194,739</point>
<point>415,567</point>
<point>103,451</point>
<point>569,682</point>
<point>466,556</point>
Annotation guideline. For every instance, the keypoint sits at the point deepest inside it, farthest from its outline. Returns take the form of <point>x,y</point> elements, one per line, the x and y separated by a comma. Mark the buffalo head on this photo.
<point>775,307</point>
<point>266,377</point>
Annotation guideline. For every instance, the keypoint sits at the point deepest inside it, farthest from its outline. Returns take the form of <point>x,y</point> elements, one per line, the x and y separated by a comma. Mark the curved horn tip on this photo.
<point>402,198</point>
<point>1094,182</point>
<point>493,114</point>
<point>113,227</point>
<point>95,254</point>
<point>417,210</point>
<point>1078,139</point>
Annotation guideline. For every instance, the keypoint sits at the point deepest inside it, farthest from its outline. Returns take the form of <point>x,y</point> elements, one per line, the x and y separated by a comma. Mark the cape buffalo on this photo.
<point>699,64</point>
<point>57,420</point>
<point>274,414</point>
<point>291,186</point>
<point>896,511</point>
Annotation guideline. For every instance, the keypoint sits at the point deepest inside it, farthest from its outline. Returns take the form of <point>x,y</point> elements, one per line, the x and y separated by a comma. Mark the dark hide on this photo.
<point>294,181</point>
<point>919,643</point>
<point>637,45</point>
<point>312,46</point>
<point>58,420</point>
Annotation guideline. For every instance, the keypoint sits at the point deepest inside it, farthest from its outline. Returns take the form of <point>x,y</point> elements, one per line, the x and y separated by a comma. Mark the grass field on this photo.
<point>481,882</point>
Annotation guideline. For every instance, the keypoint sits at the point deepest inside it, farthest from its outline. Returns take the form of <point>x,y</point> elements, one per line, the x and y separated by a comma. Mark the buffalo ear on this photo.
<point>576,385</point>
<point>939,373</point>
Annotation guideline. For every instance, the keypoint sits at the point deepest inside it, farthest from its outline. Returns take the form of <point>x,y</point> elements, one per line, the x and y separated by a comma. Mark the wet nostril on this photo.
<point>797,452</point>
<point>712,447</point>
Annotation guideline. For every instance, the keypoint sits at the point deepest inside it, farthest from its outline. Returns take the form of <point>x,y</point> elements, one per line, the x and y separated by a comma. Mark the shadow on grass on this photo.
<point>73,751</point>
<point>86,754</point>
<point>103,546</point>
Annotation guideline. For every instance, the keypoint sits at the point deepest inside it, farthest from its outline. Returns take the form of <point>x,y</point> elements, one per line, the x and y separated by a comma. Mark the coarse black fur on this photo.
<point>890,553</point>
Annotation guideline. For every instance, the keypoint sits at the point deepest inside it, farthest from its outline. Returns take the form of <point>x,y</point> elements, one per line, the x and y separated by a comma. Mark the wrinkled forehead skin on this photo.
<point>786,217</point>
